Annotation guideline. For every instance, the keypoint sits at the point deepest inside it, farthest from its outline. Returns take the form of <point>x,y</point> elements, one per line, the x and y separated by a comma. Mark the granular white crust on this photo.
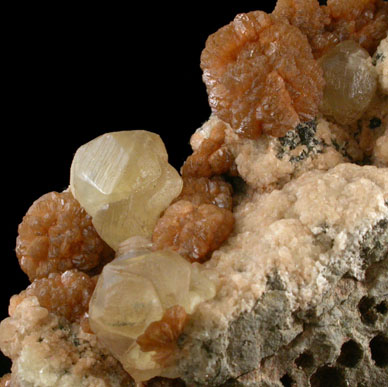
<point>279,278</point>
<point>49,351</point>
<point>300,232</point>
<point>268,163</point>
<point>381,62</point>
<point>380,151</point>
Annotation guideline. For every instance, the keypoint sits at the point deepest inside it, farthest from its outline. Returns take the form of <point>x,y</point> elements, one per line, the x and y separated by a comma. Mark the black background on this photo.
<point>73,74</point>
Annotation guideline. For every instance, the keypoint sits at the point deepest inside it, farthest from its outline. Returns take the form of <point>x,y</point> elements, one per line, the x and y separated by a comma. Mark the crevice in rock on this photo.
<point>287,381</point>
<point>367,310</point>
<point>351,354</point>
<point>379,350</point>
<point>305,360</point>
<point>165,382</point>
<point>231,383</point>
<point>328,376</point>
<point>382,308</point>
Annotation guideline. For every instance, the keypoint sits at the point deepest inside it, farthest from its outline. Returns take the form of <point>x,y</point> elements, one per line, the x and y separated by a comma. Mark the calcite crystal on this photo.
<point>134,291</point>
<point>350,82</point>
<point>124,181</point>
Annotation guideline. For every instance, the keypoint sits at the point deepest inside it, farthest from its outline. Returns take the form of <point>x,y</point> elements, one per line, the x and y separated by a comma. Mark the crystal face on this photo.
<point>124,181</point>
<point>350,82</point>
<point>132,292</point>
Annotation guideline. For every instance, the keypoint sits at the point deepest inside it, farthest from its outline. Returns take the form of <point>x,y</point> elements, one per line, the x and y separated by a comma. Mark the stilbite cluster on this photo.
<point>124,181</point>
<point>56,235</point>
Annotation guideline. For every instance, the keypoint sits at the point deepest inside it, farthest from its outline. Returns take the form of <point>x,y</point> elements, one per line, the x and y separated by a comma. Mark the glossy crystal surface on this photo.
<point>350,82</point>
<point>124,181</point>
<point>133,292</point>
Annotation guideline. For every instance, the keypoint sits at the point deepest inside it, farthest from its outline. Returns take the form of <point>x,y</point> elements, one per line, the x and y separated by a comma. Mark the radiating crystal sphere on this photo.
<point>350,82</point>
<point>134,291</point>
<point>124,181</point>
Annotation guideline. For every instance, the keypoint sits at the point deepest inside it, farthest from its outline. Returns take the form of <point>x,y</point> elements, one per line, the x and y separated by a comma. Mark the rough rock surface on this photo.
<point>306,298</point>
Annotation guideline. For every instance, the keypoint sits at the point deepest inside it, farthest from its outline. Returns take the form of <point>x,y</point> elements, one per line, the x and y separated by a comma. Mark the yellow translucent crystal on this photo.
<point>124,181</point>
<point>134,291</point>
<point>350,82</point>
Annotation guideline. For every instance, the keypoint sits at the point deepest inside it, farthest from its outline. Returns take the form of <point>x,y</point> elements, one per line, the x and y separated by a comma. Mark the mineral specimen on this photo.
<point>261,75</point>
<point>266,264</point>
<point>57,235</point>
<point>351,82</point>
<point>135,291</point>
<point>124,182</point>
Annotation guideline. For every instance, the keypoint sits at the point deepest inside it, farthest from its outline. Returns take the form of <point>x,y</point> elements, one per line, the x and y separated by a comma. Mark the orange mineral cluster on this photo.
<point>364,21</point>
<point>261,75</point>
<point>56,235</point>
<point>67,294</point>
<point>161,336</point>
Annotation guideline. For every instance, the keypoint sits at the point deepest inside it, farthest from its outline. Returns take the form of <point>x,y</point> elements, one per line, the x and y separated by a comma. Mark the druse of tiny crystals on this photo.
<point>296,231</point>
<point>124,181</point>
<point>135,290</point>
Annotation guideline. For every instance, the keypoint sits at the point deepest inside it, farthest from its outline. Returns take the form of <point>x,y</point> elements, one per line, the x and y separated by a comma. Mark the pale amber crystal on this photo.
<point>351,82</point>
<point>124,181</point>
<point>132,292</point>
